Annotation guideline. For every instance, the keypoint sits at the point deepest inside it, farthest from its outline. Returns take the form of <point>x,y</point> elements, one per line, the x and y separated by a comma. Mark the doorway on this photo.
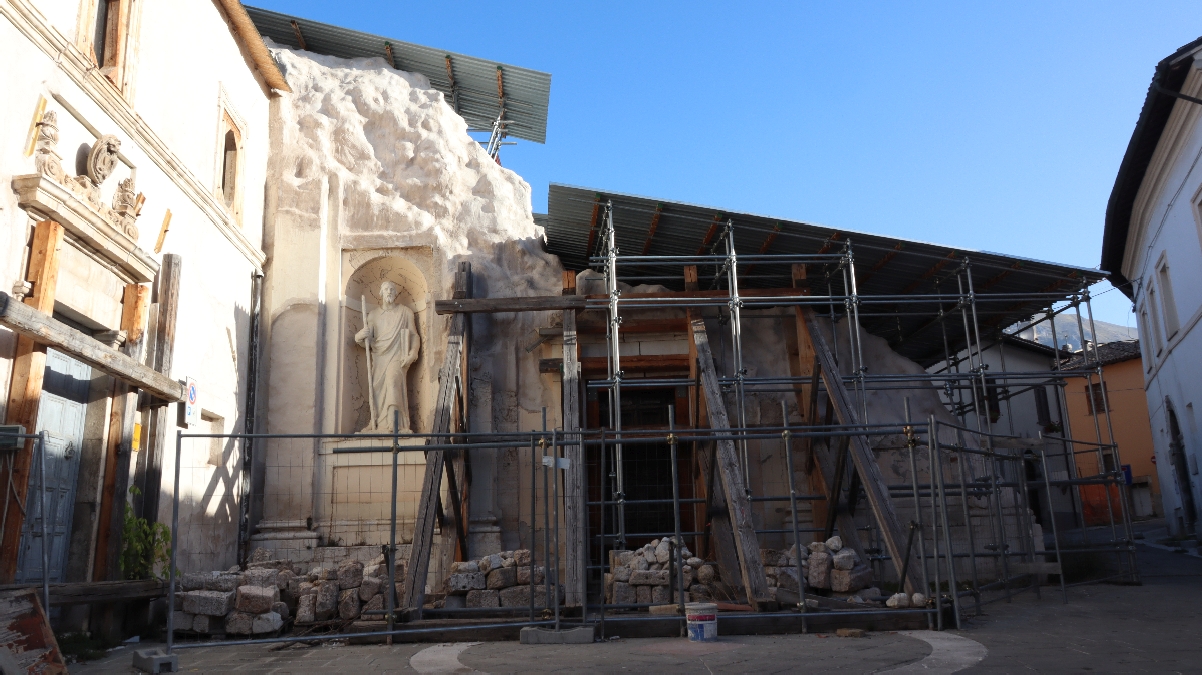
<point>1189,516</point>
<point>61,416</point>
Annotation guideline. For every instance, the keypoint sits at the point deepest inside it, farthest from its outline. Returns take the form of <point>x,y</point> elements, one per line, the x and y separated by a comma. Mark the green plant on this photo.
<point>146,546</point>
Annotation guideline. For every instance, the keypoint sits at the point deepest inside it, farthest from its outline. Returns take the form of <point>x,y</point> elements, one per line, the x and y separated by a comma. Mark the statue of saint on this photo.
<point>393,344</point>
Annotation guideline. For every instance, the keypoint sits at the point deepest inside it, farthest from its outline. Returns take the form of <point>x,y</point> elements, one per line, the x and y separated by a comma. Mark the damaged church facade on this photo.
<point>397,357</point>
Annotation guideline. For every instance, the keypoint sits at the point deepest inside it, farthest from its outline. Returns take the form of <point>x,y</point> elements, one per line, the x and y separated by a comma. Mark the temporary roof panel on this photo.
<point>885,266</point>
<point>474,93</point>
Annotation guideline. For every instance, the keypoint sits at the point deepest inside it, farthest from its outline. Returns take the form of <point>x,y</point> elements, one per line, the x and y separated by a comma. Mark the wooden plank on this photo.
<point>629,325</point>
<point>26,639</point>
<point>167,292</point>
<point>702,295</point>
<point>533,303</point>
<point>29,368</point>
<point>731,474</point>
<point>862,456</point>
<point>119,445</point>
<point>47,332</point>
<point>89,592</point>
<point>423,532</point>
<point>575,511</point>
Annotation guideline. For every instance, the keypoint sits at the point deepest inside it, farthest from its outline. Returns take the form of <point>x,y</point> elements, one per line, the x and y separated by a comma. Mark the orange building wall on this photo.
<point>1129,418</point>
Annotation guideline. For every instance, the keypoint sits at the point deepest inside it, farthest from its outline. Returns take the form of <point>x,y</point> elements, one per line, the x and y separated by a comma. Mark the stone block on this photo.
<point>348,604</point>
<point>642,594</point>
<point>459,584</point>
<point>663,552</point>
<point>182,620</point>
<point>281,608</point>
<point>211,603</point>
<point>834,544</point>
<point>639,563</point>
<point>256,599</point>
<point>624,558</point>
<point>521,557</point>
<point>239,623</point>
<point>224,582</point>
<point>327,600</point>
<point>263,576</point>
<point>369,587</point>
<point>268,622</point>
<point>850,581</point>
<point>622,574</point>
<point>898,601</point>
<point>193,581</point>
<point>845,559</point>
<point>770,557</point>
<point>155,661</point>
<point>491,562</point>
<point>649,578</point>
<point>820,570</point>
<point>306,609</point>
<point>660,595</point>
<point>306,588</point>
<point>261,555</point>
<point>694,562</point>
<point>818,547</point>
<point>483,599</point>
<point>502,577</point>
<point>705,574</point>
<point>350,574</point>
<point>517,596</point>
<point>624,593</point>
<point>203,623</point>
<point>469,567</point>
<point>918,600</point>
<point>539,574</point>
<point>787,578</point>
<point>285,577</point>
<point>374,604</point>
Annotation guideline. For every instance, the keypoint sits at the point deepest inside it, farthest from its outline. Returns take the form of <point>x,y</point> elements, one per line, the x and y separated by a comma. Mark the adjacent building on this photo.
<point>1152,248</point>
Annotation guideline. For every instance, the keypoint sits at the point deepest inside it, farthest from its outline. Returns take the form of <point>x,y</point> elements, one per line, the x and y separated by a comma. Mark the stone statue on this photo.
<point>47,159</point>
<point>102,158</point>
<point>391,335</point>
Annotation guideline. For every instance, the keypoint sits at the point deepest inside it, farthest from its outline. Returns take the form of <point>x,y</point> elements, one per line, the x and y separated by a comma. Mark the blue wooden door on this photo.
<point>61,416</point>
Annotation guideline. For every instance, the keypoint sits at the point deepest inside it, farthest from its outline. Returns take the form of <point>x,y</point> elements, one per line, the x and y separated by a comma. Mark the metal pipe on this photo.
<point>555,505</point>
<point>1055,531</point>
<point>678,542</point>
<point>391,560</point>
<point>174,548</point>
<point>736,342</point>
<point>937,472</point>
<point>911,442</point>
<point>801,582</point>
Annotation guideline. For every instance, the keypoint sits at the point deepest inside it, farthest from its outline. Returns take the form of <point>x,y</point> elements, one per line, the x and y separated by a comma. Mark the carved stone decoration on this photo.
<point>46,158</point>
<point>102,159</point>
<point>125,208</point>
<point>391,335</point>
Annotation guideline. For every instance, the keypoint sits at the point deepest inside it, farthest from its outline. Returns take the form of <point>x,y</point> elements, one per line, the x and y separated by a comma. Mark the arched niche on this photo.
<point>363,284</point>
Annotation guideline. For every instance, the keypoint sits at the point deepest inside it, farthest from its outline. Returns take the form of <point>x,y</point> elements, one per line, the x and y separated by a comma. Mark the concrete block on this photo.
<point>483,599</point>
<point>642,595</point>
<point>624,594</point>
<point>459,584</point>
<point>260,577</point>
<point>649,578</point>
<point>221,582</point>
<point>155,661</point>
<point>536,635</point>
<point>203,623</point>
<point>622,574</point>
<point>182,620</point>
<point>660,595</point>
<point>239,623</point>
<point>193,581</point>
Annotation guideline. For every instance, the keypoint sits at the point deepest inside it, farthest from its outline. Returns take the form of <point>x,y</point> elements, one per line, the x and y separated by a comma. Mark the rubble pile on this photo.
<point>831,565</point>
<point>497,580</point>
<point>269,593</point>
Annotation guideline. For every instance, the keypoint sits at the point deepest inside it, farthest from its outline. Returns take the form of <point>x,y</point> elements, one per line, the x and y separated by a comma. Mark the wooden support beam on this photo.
<point>690,278</point>
<point>121,437</point>
<point>535,303</point>
<point>659,209</point>
<point>150,461</point>
<point>731,475</point>
<point>592,227</point>
<point>776,229</point>
<point>709,235</point>
<point>598,365</point>
<point>29,368</point>
<point>881,263</point>
<point>423,532</point>
<point>629,326</point>
<point>574,482</point>
<point>89,592</point>
<point>714,512</point>
<point>932,271</point>
<point>864,460</point>
<point>300,38</point>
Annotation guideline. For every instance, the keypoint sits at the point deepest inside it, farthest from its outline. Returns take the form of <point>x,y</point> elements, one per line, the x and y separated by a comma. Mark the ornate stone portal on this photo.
<point>392,342</point>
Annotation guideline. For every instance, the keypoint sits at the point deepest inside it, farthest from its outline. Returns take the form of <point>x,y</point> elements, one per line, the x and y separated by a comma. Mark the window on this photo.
<point>1154,308</point>
<point>1043,412</point>
<point>108,37</point>
<point>1149,359</point>
<point>229,168</point>
<point>214,424</point>
<point>1171,323</point>
<point>1097,398</point>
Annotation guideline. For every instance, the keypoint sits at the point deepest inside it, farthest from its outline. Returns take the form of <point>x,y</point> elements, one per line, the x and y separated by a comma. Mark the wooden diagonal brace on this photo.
<point>865,461</point>
<point>731,475</point>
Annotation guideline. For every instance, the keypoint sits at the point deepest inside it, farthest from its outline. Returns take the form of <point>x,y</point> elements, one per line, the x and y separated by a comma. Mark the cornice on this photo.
<point>1180,126</point>
<point>33,25</point>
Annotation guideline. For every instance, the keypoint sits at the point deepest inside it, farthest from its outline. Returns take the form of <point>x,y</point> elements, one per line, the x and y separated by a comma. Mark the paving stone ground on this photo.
<point>1154,628</point>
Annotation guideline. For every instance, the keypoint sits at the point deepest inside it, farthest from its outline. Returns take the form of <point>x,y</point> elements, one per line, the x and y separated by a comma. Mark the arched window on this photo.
<point>229,168</point>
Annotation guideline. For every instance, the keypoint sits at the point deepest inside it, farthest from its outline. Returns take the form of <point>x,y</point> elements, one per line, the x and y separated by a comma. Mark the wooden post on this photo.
<point>25,393</point>
<point>423,530</point>
<point>574,509</point>
<point>862,456</point>
<point>119,447</point>
<point>731,474</point>
<point>150,464</point>
<point>714,511</point>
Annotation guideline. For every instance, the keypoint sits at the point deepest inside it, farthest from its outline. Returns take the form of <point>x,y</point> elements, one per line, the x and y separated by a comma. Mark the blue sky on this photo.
<point>989,126</point>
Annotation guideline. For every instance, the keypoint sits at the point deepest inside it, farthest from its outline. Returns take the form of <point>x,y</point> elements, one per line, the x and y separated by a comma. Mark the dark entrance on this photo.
<point>1189,516</point>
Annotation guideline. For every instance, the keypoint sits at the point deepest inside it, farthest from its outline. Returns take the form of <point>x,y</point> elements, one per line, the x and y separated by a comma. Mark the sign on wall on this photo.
<point>189,408</point>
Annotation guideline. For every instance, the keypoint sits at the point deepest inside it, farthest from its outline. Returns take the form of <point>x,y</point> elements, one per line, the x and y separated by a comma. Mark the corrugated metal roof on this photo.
<point>884,265</point>
<point>473,92</point>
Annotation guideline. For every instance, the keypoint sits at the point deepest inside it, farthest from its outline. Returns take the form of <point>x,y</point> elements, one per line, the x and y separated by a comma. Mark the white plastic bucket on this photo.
<point>702,618</point>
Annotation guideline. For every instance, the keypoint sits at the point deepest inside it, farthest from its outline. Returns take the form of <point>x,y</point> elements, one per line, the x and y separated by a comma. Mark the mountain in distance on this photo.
<point>1068,335</point>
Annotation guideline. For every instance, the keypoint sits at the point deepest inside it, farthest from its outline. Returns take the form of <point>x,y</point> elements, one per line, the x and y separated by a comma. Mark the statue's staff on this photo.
<point>371,389</point>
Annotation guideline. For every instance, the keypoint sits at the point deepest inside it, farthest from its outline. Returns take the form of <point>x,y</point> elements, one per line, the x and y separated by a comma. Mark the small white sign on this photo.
<point>191,403</point>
